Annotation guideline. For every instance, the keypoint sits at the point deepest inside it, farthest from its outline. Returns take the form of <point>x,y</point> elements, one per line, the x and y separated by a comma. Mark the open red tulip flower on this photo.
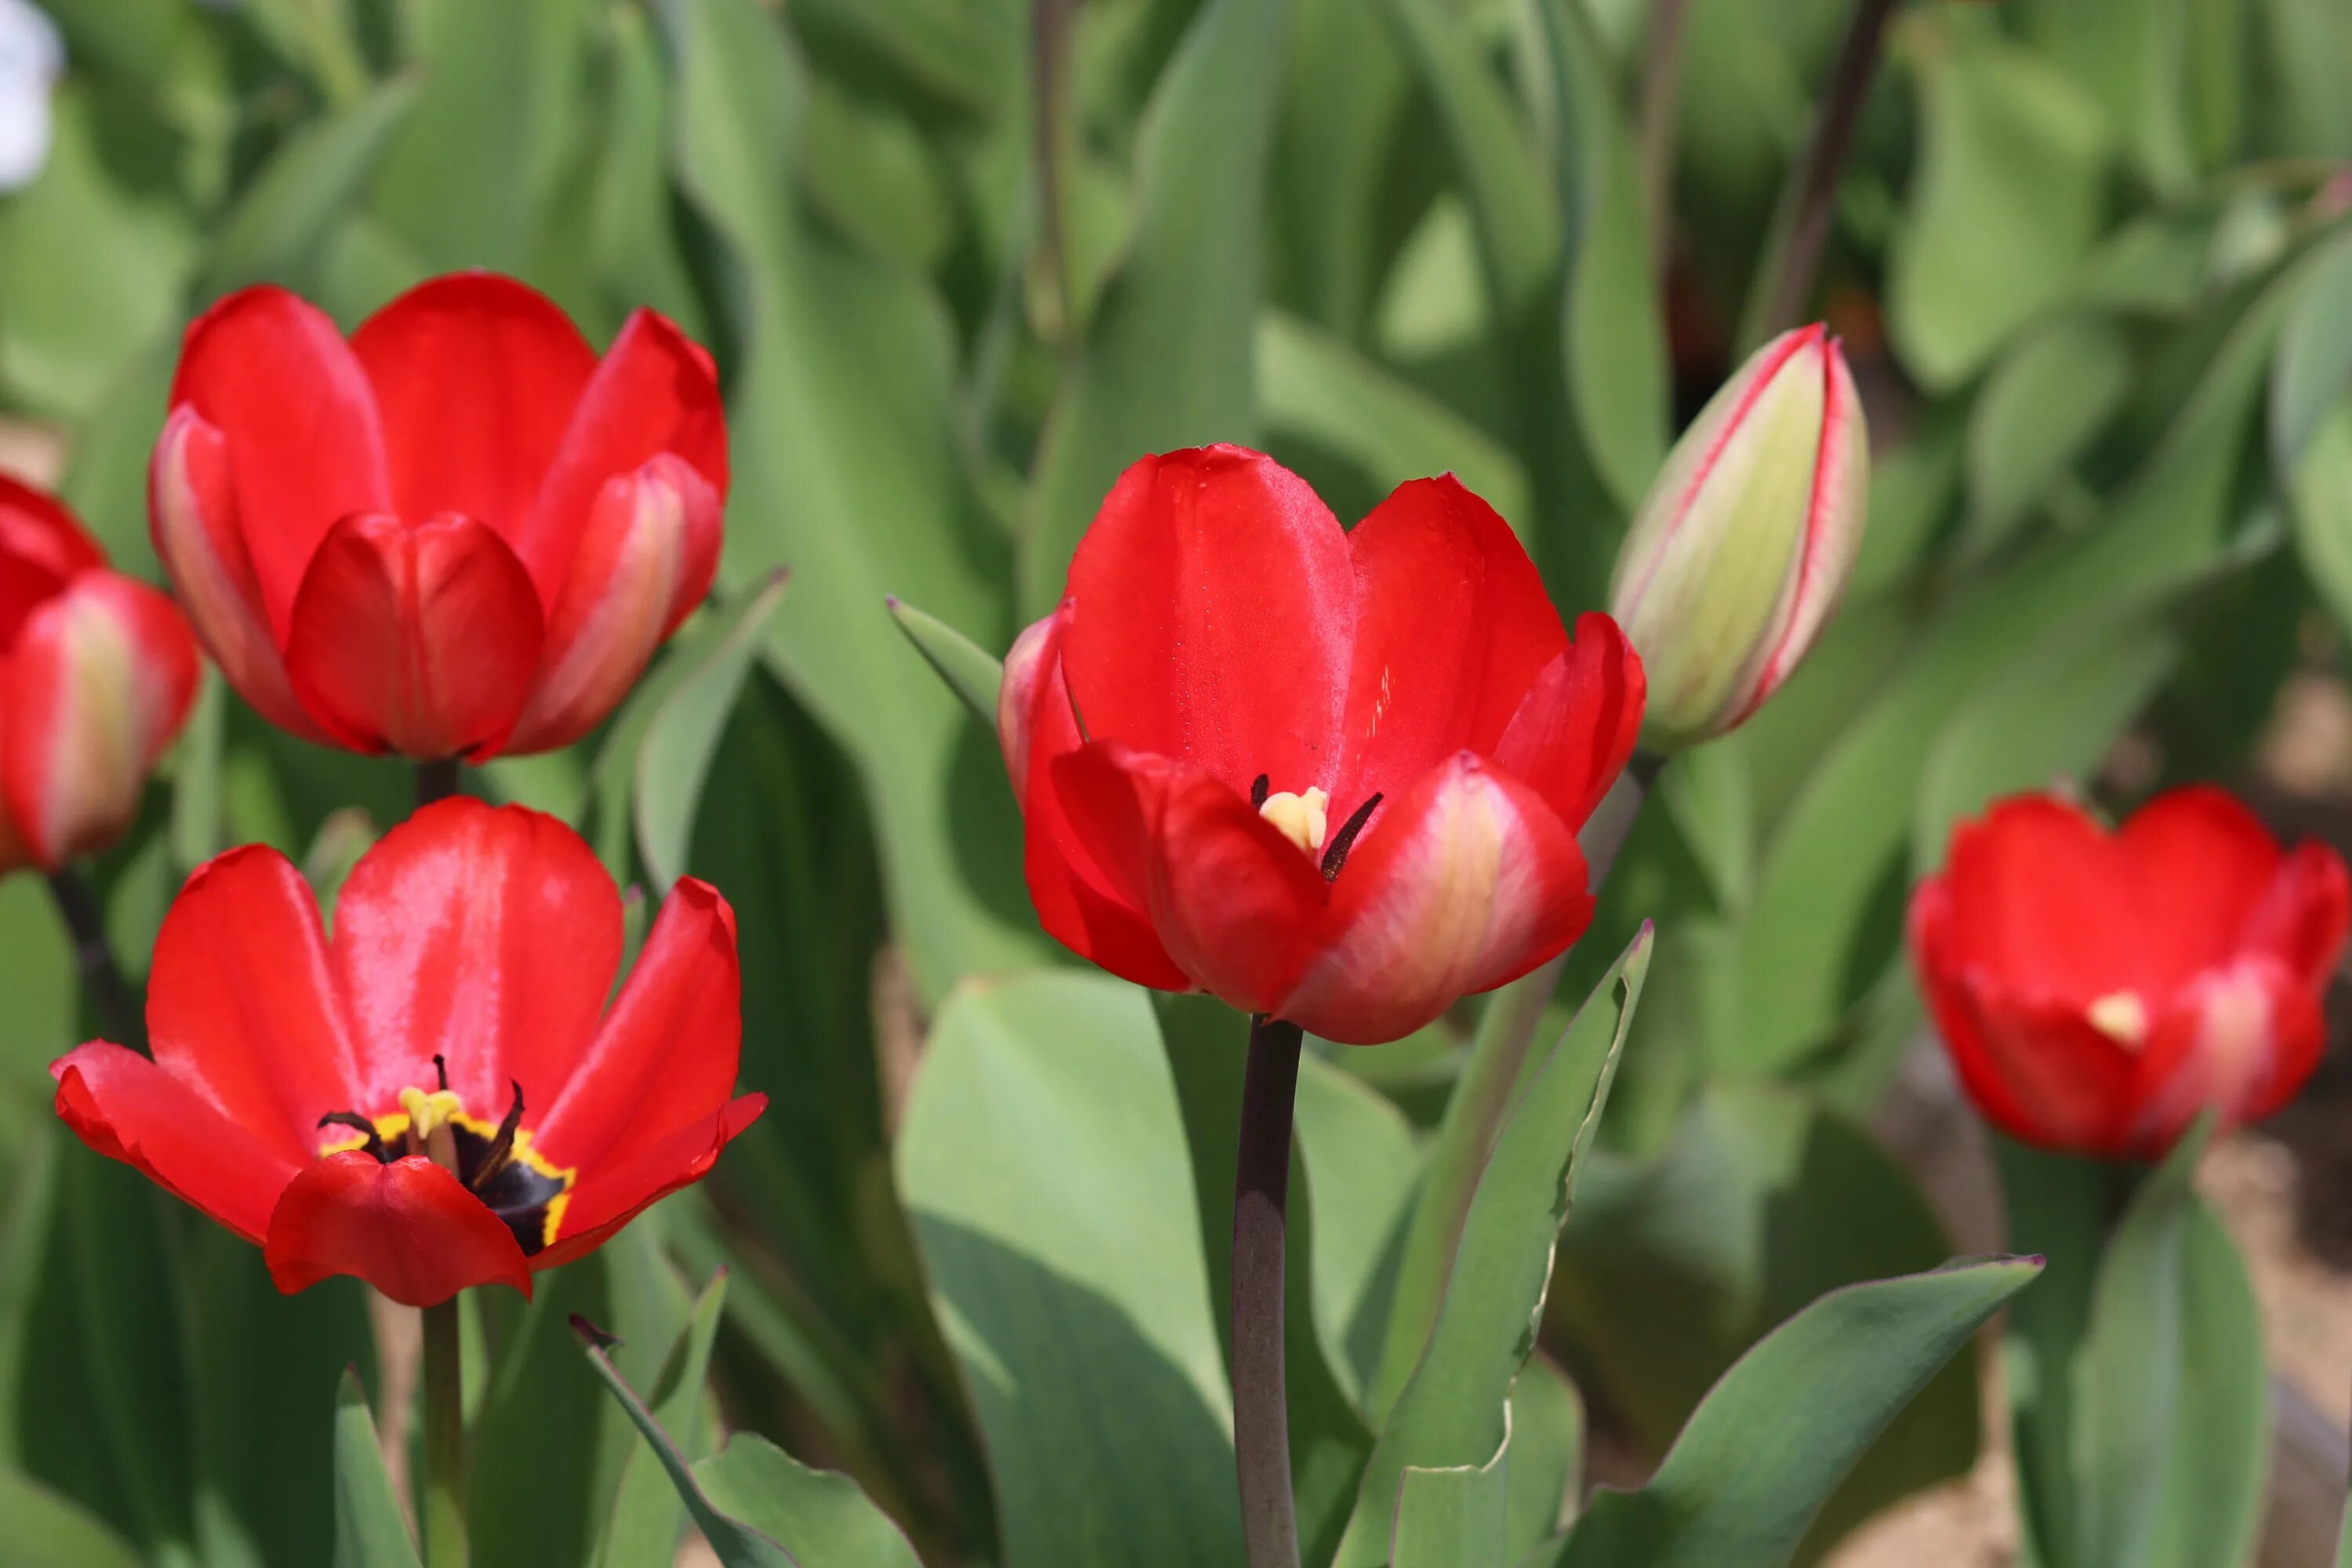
<point>437,1096</point>
<point>1330,776</point>
<point>2097,991</point>
<point>459,533</point>
<point>96,675</point>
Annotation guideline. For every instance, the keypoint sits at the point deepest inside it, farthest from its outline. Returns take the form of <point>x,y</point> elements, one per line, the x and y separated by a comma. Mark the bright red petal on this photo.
<point>273,375</point>
<point>653,393</point>
<point>2045,902</point>
<point>485,935</point>
<point>666,1056</point>
<point>421,640</point>
<point>127,1108</point>
<point>1077,902</point>
<point>476,377</point>
<point>409,1228</point>
<point>609,1197</point>
<point>2303,915</point>
<point>241,1002</point>
<point>1464,881</point>
<point>42,548</point>
<point>96,688</point>
<point>1452,626</point>
<point>1573,733</point>
<point>2201,862</point>
<point>1213,619</point>
<point>1233,901</point>
<point>2242,1038</point>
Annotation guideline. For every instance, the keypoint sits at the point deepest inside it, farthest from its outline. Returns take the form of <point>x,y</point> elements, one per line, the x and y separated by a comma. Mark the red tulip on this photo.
<point>438,1096</point>
<point>96,675</point>
<point>2098,991</point>
<point>1335,777</point>
<point>459,533</point>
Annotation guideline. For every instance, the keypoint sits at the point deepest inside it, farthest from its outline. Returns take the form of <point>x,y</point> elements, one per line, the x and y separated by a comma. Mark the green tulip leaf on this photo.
<point>970,671</point>
<point>2314,368</point>
<point>281,222</point>
<point>646,1512</point>
<point>370,1530</point>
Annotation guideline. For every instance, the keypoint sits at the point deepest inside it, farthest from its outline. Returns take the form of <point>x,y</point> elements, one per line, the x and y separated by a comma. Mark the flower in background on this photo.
<point>1334,777</point>
<point>458,534</point>
<point>2097,991</point>
<point>436,1097</point>
<point>32,57</point>
<point>96,675</point>
<point>1747,538</point>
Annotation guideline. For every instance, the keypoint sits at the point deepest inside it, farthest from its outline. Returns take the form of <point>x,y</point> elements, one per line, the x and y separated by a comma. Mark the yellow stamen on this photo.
<point>1298,817</point>
<point>428,1113</point>
<point>2122,1017</point>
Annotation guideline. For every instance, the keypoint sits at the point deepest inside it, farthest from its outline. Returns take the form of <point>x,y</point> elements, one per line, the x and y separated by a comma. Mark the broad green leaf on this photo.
<point>1317,388</point>
<point>1168,360</point>
<point>1673,1265</point>
<point>1546,1455</point>
<point>962,54</point>
<point>2058,1206</point>
<point>819,1515</point>
<point>1773,1440</point>
<point>1334,172</point>
<point>2314,368</point>
<point>282,220</point>
<point>632,234</point>
<point>2040,407</point>
<point>37,1025</point>
<point>2166,73</point>
<point>682,734</point>
<point>2319,503</point>
<point>1362,1167</point>
<point>370,1530</point>
<point>871,172</point>
<point>646,1514</point>
<point>1042,1161</point>
<point>1451,1518</point>
<point>846,468</point>
<point>2214,1478</point>
<point>2307,57</point>
<point>970,671</point>
<point>1453,1411</point>
<point>44,1531</point>
<point>2010,147</point>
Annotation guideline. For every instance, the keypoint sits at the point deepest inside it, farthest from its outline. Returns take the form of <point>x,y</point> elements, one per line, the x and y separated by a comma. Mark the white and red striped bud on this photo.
<point>1746,538</point>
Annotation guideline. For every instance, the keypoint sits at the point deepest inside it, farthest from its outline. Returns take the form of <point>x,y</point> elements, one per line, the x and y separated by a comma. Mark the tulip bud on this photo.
<point>1745,539</point>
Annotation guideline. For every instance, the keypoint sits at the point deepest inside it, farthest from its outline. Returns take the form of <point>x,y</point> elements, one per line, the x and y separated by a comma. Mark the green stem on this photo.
<point>119,1010</point>
<point>435,780</point>
<point>444,1440</point>
<point>1261,1200</point>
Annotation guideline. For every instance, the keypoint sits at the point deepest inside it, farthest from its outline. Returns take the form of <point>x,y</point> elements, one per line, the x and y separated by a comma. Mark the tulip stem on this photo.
<point>1792,253</point>
<point>445,1544</point>
<point>1261,1219</point>
<point>119,1011</point>
<point>435,780</point>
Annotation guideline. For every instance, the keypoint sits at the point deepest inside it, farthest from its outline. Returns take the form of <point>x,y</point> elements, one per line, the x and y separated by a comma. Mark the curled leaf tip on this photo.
<point>591,1335</point>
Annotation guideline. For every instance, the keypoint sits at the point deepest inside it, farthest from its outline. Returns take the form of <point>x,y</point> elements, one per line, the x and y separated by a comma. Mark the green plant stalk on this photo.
<point>120,1012</point>
<point>435,780</point>
<point>1261,1220</point>
<point>443,1514</point>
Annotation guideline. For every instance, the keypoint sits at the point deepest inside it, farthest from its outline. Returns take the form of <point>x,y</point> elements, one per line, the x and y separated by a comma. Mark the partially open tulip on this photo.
<point>1747,538</point>
<point>96,675</point>
<point>457,534</point>
<point>2097,990</point>
<point>1334,777</point>
<point>438,1096</point>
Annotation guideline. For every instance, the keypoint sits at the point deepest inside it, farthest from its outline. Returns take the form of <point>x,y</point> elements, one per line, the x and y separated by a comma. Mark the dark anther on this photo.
<point>1336,855</point>
<point>440,1070</point>
<point>1257,791</point>
<point>501,1147</point>
<point>358,1123</point>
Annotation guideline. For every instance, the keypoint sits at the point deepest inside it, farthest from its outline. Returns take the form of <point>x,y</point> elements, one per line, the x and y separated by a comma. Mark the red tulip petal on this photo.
<point>421,640</point>
<point>2303,915</point>
<point>273,375</point>
<point>1233,901</point>
<point>2242,1038</point>
<point>193,520</point>
<point>1076,901</point>
<point>409,1228</point>
<point>645,562</point>
<point>42,549</point>
<point>1452,626</point>
<point>241,1002</point>
<point>609,1197</point>
<point>127,1108</point>
<point>2201,862</point>
<point>1213,619</point>
<point>476,377</point>
<point>1576,728</point>
<point>96,688</point>
<point>2044,900</point>
<point>486,935</point>
<point>666,1056</point>
<point>655,393</point>
<point>1465,880</point>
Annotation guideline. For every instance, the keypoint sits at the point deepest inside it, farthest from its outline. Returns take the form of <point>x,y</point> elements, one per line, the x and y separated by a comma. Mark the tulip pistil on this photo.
<point>2122,1017</point>
<point>1297,817</point>
<point>497,1164</point>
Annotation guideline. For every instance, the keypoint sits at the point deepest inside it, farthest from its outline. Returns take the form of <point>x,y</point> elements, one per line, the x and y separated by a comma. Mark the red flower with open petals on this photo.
<point>2097,991</point>
<point>1335,777</point>
<point>459,533</point>
<point>436,1097</point>
<point>96,675</point>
